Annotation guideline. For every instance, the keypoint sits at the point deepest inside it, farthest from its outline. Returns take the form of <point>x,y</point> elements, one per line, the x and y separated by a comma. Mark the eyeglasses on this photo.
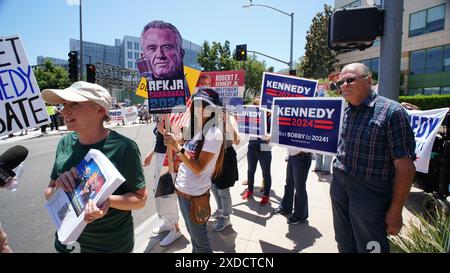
<point>348,80</point>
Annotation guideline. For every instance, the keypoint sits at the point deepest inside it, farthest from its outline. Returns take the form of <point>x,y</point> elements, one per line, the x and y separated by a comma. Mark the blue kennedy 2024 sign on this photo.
<point>252,121</point>
<point>308,123</point>
<point>275,85</point>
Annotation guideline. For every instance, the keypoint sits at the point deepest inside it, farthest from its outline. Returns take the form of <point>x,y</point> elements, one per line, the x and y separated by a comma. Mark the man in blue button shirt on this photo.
<point>374,166</point>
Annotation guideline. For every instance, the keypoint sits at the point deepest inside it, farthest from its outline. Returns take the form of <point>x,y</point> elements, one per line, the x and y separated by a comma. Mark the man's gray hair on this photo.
<point>163,25</point>
<point>362,68</point>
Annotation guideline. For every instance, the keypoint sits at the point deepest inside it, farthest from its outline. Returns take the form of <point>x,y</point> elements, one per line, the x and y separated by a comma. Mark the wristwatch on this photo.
<point>181,151</point>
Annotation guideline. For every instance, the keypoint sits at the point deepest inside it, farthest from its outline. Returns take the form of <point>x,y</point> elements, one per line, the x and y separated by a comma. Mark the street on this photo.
<point>23,214</point>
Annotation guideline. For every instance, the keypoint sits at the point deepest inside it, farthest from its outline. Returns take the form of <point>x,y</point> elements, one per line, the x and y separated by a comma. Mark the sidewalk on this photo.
<point>35,133</point>
<point>254,228</point>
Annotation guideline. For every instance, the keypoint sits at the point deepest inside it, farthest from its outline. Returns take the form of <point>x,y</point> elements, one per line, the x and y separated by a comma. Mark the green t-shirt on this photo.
<point>114,232</point>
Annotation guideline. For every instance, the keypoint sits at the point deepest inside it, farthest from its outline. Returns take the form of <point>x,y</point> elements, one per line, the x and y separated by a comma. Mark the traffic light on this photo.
<point>241,52</point>
<point>73,66</point>
<point>90,76</point>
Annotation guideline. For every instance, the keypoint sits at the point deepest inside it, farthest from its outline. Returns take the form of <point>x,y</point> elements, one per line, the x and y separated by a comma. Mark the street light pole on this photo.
<point>81,43</point>
<point>291,63</point>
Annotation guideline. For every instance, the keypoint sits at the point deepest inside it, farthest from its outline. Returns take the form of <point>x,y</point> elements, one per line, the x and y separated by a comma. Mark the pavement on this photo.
<point>62,130</point>
<point>254,228</point>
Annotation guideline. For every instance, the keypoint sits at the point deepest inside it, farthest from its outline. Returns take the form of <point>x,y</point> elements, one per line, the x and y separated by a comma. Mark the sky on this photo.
<point>45,26</point>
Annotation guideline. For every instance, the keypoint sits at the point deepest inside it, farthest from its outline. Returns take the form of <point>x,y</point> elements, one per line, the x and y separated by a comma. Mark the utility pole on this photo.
<point>81,43</point>
<point>390,50</point>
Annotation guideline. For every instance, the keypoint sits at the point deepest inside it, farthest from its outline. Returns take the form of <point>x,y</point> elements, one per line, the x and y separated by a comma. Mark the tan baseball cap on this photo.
<point>79,92</point>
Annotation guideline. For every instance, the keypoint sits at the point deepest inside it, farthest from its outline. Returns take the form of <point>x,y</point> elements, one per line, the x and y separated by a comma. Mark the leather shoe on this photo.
<point>280,210</point>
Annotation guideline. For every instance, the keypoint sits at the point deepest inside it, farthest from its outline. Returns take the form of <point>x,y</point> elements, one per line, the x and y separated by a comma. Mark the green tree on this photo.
<point>319,59</point>
<point>254,70</point>
<point>50,75</point>
<point>225,58</point>
<point>218,57</point>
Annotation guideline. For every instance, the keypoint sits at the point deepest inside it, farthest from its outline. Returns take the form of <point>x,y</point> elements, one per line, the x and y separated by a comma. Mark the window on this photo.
<point>378,3</point>
<point>372,64</point>
<point>136,55</point>
<point>426,21</point>
<point>353,4</point>
<point>136,46</point>
<point>416,91</point>
<point>431,90</point>
<point>129,45</point>
<point>431,60</point>
<point>377,42</point>
<point>447,58</point>
<point>417,62</point>
<point>445,90</point>
<point>375,65</point>
<point>130,64</point>
<point>435,18</point>
<point>417,24</point>
<point>434,60</point>
<point>130,55</point>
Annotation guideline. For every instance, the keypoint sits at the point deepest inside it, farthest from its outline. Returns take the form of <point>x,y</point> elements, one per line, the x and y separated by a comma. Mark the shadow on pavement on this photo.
<point>303,235</point>
<point>154,247</point>
<point>223,241</point>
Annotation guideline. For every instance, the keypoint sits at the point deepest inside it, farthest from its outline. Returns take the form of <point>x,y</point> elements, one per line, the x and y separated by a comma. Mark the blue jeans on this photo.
<point>198,233</point>
<point>359,209</point>
<point>254,154</point>
<point>296,176</point>
<point>323,162</point>
<point>223,199</point>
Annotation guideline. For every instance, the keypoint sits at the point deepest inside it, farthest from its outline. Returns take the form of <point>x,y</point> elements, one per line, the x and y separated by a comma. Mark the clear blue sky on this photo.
<point>46,26</point>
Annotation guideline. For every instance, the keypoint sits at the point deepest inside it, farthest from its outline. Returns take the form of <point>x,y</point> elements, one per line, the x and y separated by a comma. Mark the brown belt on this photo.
<point>188,196</point>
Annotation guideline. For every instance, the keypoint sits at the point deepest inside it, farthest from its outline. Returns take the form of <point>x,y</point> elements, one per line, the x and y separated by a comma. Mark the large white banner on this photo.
<point>21,105</point>
<point>425,125</point>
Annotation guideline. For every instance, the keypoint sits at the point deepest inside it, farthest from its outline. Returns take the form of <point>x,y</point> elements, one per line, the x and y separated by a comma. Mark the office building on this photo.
<point>425,56</point>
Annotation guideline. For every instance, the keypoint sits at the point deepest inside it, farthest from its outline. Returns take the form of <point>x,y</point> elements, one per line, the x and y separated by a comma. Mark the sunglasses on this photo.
<point>348,80</point>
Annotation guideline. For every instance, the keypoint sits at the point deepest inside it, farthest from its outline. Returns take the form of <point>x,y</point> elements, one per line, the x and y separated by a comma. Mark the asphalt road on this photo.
<point>23,214</point>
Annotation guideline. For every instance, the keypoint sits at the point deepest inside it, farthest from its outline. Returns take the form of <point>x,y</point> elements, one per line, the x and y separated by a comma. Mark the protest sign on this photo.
<point>129,114</point>
<point>321,90</point>
<point>311,124</point>
<point>116,116</point>
<point>190,74</point>
<point>162,65</point>
<point>165,96</point>
<point>425,125</point>
<point>230,86</point>
<point>275,85</point>
<point>97,179</point>
<point>21,105</point>
<point>141,90</point>
<point>252,121</point>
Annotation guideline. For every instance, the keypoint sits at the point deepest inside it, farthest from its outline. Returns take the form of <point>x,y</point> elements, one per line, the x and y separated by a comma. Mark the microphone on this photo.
<point>9,160</point>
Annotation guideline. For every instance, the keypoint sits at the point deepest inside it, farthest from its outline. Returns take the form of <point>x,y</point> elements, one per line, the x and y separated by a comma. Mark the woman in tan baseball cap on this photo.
<point>86,107</point>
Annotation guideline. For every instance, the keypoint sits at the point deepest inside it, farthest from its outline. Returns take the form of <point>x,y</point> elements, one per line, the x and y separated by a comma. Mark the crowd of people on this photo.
<point>372,171</point>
